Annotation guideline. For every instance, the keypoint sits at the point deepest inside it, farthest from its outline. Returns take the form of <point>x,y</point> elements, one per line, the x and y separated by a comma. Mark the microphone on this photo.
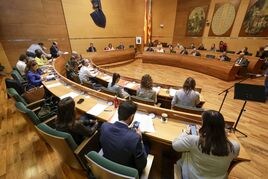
<point>255,75</point>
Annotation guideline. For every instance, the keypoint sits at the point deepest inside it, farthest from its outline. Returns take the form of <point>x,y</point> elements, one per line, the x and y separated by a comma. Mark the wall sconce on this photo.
<point>161,25</point>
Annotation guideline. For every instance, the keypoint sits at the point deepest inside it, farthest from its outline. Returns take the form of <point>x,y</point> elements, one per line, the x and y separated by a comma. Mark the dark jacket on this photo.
<point>123,145</point>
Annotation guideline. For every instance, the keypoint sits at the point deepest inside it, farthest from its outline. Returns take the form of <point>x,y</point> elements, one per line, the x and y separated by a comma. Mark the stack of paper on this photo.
<point>146,121</point>
<point>53,85</point>
<point>71,94</point>
<point>130,85</point>
<point>156,89</point>
<point>97,109</point>
<point>172,92</point>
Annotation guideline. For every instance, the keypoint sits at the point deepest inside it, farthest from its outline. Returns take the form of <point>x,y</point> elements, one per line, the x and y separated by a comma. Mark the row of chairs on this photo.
<point>83,156</point>
<point>186,109</point>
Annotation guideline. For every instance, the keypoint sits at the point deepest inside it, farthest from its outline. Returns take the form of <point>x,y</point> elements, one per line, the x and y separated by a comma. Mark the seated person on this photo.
<point>150,48</point>
<point>209,154</point>
<point>33,74</point>
<point>146,89</point>
<point>192,46</point>
<point>109,47</point>
<point>21,64</point>
<point>66,121</point>
<point>213,47</point>
<point>120,46</point>
<point>171,48</point>
<point>222,46</point>
<point>122,144</point>
<point>87,73</point>
<point>120,92</point>
<point>201,47</point>
<point>54,50</point>
<point>160,49</point>
<point>183,50</point>
<point>91,48</point>
<point>224,57</point>
<point>187,96</point>
<point>40,46</point>
<point>242,61</point>
<point>244,50</point>
<point>40,59</point>
<point>72,66</point>
<point>195,52</point>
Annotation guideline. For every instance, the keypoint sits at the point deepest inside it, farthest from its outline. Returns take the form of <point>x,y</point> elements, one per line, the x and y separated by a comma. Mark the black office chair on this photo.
<point>107,91</point>
<point>192,110</point>
<point>142,100</point>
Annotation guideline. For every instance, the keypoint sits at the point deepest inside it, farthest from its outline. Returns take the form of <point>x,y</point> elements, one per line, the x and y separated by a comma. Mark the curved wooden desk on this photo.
<point>254,65</point>
<point>164,134</point>
<point>103,58</point>
<point>224,71</point>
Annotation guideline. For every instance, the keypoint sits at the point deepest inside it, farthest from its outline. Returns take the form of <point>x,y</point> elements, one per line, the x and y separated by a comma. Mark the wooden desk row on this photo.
<point>212,67</point>
<point>61,87</point>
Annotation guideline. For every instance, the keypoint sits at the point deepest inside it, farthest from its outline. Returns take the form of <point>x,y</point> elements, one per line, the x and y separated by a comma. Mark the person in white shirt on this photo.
<point>209,154</point>
<point>87,73</point>
<point>22,63</point>
<point>40,46</point>
<point>187,96</point>
<point>109,47</point>
<point>160,49</point>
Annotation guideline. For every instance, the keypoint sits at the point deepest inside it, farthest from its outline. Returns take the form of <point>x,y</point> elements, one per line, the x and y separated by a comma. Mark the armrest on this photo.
<point>35,104</point>
<point>50,120</point>
<point>177,172</point>
<point>88,144</point>
<point>146,171</point>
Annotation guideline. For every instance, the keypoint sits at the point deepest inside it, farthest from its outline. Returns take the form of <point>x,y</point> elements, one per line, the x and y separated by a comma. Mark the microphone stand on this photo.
<point>226,92</point>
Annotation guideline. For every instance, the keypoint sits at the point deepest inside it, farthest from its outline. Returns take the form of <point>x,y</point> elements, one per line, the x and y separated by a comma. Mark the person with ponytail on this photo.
<point>113,86</point>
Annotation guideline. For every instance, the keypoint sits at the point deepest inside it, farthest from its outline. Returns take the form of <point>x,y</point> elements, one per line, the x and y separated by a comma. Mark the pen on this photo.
<point>107,110</point>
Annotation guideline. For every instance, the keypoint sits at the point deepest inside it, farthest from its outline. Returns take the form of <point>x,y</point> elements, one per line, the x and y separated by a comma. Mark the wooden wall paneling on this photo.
<point>163,12</point>
<point>3,59</point>
<point>124,21</point>
<point>23,23</point>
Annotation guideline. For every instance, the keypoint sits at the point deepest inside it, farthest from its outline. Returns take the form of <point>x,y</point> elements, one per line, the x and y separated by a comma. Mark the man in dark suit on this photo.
<point>54,50</point>
<point>122,144</point>
<point>91,48</point>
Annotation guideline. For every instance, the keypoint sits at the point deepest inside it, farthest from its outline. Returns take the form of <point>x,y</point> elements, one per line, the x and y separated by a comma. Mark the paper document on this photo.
<point>146,121</point>
<point>53,85</point>
<point>71,94</point>
<point>97,109</point>
<point>130,85</point>
<point>172,92</point>
<point>107,78</point>
<point>156,89</point>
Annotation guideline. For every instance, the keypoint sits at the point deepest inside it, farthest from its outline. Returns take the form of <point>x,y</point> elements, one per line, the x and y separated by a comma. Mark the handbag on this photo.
<point>34,94</point>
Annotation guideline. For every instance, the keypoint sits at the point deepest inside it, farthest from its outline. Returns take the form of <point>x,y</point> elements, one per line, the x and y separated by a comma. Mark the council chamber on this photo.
<point>134,89</point>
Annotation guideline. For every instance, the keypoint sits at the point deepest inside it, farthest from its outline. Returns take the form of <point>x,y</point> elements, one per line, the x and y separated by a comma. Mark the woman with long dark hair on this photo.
<point>66,121</point>
<point>113,86</point>
<point>146,90</point>
<point>187,96</point>
<point>208,155</point>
